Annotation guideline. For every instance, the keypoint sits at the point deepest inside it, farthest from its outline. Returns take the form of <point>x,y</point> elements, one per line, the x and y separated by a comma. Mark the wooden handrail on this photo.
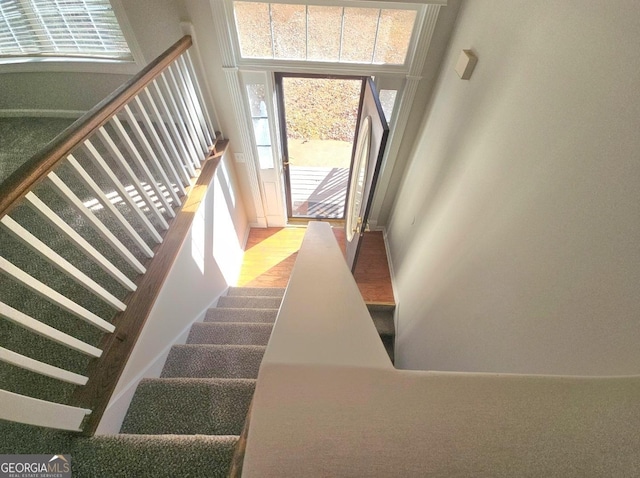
<point>104,372</point>
<point>18,184</point>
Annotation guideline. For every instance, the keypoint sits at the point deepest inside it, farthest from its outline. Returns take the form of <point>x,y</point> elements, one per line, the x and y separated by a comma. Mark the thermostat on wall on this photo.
<point>466,64</point>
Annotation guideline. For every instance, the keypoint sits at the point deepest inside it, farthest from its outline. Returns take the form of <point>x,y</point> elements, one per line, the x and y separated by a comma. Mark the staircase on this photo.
<point>383,319</point>
<point>196,410</point>
<point>188,421</point>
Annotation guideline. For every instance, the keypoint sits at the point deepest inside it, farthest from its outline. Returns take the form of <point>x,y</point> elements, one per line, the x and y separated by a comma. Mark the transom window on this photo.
<point>286,31</point>
<point>83,29</point>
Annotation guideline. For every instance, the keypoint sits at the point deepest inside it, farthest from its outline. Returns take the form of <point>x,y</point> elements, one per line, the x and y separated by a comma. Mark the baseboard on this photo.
<point>119,404</point>
<point>390,262</point>
<point>33,113</point>
<point>245,239</point>
<point>392,273</point>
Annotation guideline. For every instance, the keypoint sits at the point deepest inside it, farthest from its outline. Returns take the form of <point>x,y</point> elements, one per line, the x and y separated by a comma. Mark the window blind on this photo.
<point>61,28</point>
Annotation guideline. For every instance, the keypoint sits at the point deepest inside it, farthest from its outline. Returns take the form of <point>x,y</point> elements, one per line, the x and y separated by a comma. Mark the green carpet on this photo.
<point>23,136</point>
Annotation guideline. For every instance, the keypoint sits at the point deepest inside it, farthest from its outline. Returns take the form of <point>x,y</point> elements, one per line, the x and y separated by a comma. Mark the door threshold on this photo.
<point>303,221</point>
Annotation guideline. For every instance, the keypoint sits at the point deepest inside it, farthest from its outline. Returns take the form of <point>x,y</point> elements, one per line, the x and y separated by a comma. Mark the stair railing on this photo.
<point>82,222</point>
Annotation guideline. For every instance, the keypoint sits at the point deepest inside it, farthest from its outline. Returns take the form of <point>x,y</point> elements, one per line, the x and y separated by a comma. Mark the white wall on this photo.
<point>385,194</point>
<point>208,262</point>
<point>514,236</point>
<point>199,13</point>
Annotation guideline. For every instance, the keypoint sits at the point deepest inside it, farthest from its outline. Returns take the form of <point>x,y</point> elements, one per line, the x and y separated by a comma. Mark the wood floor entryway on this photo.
<point>271,252</point>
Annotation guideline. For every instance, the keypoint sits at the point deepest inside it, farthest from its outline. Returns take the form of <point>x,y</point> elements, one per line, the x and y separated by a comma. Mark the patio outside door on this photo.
<point>318,117</point>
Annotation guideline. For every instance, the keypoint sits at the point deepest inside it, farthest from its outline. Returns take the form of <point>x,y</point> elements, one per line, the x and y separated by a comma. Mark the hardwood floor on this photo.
<point>271,252</point>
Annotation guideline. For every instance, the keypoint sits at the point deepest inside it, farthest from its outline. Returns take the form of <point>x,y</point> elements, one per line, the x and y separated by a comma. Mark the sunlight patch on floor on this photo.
<point>269,253</point>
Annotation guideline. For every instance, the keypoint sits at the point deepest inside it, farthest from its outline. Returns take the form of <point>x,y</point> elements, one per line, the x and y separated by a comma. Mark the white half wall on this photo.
<point>208,262</point>
<point>515,233</point>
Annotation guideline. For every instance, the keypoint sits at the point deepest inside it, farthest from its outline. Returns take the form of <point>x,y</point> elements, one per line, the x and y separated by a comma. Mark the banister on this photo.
<point>18,184</point>
<point>105,371</point>
<point>129,171</point>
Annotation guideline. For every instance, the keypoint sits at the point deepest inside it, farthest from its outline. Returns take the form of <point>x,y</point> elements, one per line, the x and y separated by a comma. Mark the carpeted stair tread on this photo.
<point>388,342</point>
<point>213,361</point>
<point>189,406</point>
<point>255,291</point>
<point>384,325</point>
<point>221,314</point>
<point>383,318</point>
<point>249,302</point>
<point>158,456</point>
<point>233,333</point>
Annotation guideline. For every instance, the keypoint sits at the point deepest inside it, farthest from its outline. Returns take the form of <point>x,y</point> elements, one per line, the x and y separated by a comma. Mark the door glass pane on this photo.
<point>388,101</point>
<point>254,29</point>
<point>321,115</point>
<point>289,25</point>
<point>359,34</point>
<point>394,35</point>
<point>325,28</point>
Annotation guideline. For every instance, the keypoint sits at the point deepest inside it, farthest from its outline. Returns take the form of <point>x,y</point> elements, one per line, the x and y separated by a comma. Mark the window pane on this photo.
<point>78,28</point>
<point>388,101</point>
<point>254,31</point>
<point>289,31</point>
<point>261,130</point>
<point>256,94</point>
<point>265,157</point>
<point>325,28</point>
<point>359,34</point>
<point>394,35</point>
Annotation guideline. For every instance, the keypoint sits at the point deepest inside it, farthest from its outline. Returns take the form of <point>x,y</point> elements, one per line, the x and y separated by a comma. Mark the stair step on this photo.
<point>154,455</point>
<point>382,316</point>
<point>249,302</point>
<point>388,343</point>
<point>221,314</point>
<point>213,361</point>
<point>189,406</point>
<point>230,333</point>
<point>255,291</point>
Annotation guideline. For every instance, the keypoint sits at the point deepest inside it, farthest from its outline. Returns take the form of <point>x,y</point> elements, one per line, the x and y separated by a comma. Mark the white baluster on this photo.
<point>168,119</point>
<point>53,296</point>
<point>33,411</point>
<point>44,330</point>
<point>143,169</point>
<point>187,105</point>
<point>42,368</point>
<point>102,164</point>
<point>81,243</point>
<point>168,163</point>
<point>106,203</point>
<point>126,169</point>
<point>179,120</point>
<point>60,262</point>
<point>151,154</point>
<point>193,96</point>
<point>74,201</point>
<point>187,57</point>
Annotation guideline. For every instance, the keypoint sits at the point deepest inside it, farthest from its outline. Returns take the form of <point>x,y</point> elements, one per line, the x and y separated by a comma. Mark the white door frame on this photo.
<point>267,185</point>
